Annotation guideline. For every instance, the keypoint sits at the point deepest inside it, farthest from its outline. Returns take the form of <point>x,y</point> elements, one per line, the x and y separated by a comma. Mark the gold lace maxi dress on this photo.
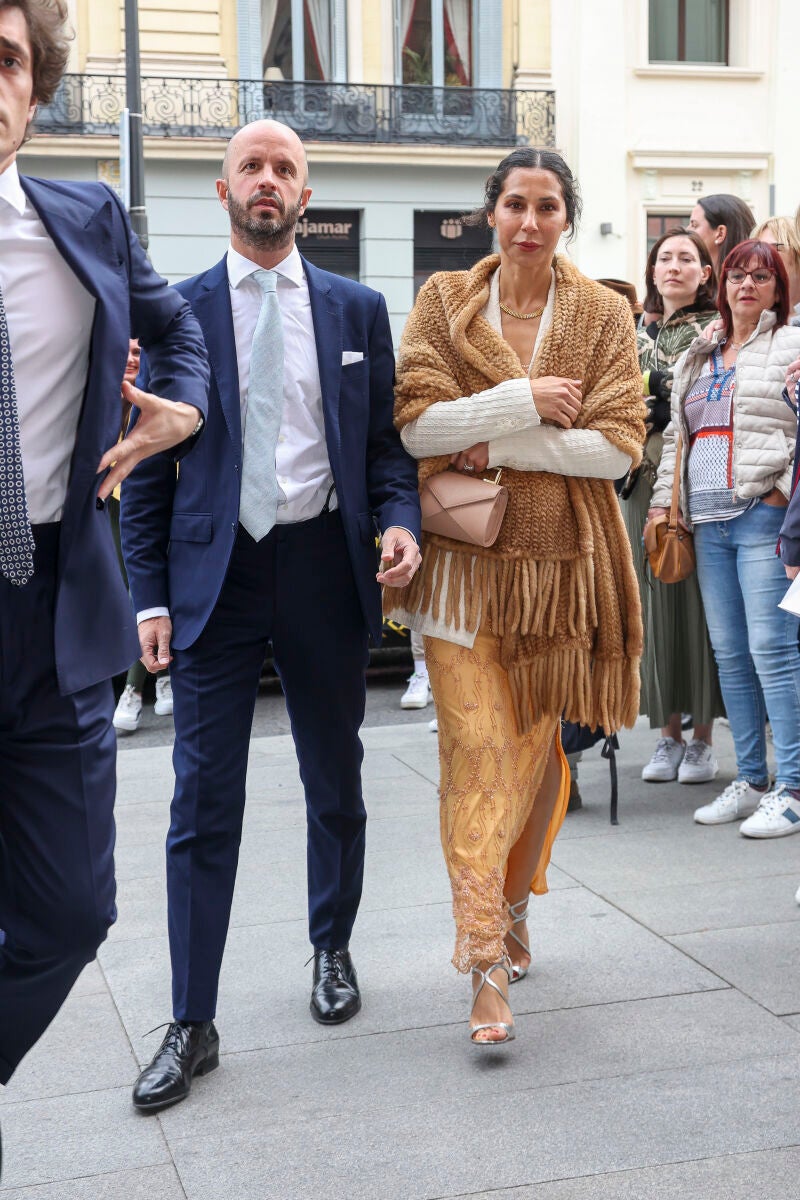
<point>489,776</point>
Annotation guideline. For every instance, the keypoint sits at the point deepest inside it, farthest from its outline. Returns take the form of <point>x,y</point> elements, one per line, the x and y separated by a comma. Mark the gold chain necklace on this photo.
<point>521,316</point>
<point>738,345</point>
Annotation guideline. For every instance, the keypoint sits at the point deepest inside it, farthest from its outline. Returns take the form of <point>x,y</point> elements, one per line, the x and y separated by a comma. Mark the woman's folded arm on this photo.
<point>452,425</point>
<point>584,453</point>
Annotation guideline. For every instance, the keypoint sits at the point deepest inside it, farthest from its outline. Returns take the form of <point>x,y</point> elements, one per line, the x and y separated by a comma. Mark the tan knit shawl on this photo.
<point>558,585</point>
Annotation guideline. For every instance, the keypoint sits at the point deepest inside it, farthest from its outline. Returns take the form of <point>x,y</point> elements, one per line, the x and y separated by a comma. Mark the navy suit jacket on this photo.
<point>95,629</point>
<point>178,533</point>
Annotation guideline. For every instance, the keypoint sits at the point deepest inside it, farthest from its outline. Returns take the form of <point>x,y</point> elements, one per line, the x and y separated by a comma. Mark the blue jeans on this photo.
<point>755,642</point>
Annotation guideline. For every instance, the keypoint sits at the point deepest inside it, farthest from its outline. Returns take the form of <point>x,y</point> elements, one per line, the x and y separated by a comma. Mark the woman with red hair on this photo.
<point>737,440</point>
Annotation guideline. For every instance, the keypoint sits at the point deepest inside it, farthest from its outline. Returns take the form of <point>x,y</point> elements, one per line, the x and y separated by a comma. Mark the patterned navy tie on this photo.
<point>16,538</point>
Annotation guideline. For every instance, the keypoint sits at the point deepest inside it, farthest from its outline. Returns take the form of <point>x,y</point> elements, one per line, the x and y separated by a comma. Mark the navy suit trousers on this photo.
<point>57,785</point>
<point>295,588</point>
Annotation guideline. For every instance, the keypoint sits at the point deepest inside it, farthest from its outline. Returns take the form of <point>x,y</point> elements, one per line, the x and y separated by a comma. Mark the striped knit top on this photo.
<point>709,417</point>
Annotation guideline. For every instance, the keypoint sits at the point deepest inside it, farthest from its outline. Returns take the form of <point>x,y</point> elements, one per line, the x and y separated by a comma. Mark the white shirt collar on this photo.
<point>240,268</point>
<point>11,188</point>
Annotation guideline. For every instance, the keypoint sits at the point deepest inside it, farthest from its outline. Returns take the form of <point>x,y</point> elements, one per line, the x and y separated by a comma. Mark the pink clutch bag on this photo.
<point>464,507</point>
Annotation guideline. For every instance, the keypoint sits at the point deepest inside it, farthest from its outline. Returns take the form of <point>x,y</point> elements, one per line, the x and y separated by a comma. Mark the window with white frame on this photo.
<point>435,42</point>
<point>299,42</point>
<point>688,31</point>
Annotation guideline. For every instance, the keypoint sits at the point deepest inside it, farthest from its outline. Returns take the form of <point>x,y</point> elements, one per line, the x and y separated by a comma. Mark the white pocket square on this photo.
<point>351,356</point>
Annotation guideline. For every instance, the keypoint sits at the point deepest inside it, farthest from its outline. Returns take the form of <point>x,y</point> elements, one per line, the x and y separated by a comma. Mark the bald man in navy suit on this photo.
<point>269,537</point>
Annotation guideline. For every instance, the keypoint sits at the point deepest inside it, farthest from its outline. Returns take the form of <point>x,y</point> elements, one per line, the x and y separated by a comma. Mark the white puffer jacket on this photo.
<point>764,427</point>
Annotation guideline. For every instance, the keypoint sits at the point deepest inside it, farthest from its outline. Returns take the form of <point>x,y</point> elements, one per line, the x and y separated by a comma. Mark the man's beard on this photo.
<point>262,230</point>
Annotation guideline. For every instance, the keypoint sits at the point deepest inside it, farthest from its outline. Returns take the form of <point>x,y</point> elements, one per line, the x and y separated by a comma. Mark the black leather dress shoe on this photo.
<point>334,995</point>
<point>189,1048</point>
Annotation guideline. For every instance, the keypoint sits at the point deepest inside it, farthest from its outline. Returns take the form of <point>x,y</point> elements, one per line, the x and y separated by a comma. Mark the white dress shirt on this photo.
<point>301,456</point>
<point>50,316</point>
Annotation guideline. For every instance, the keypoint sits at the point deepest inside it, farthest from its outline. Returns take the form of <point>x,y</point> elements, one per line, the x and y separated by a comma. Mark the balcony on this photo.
<point>91,105</point>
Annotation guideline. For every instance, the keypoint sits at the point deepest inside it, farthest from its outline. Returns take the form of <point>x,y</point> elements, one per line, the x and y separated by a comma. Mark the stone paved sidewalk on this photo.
<point>658,1035</point>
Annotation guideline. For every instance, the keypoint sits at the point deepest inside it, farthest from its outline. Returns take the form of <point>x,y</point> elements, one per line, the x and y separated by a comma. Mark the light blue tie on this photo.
<point>16,538</point>
<point>260,493</point>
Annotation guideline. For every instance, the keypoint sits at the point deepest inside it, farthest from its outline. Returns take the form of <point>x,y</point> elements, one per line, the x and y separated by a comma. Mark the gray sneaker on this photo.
<point>128,712</point>
<point>418,693</point>
<point>163,705</point>
<point>663,766</point>
<point>699,764</point>
<point>738,800</point>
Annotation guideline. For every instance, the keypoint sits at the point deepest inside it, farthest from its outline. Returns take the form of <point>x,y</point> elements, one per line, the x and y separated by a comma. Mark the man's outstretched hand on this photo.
<point>161,424</point>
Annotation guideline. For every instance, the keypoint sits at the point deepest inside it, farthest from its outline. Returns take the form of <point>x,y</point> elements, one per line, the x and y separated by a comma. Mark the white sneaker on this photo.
<point>434,728</point>
<point>797,896</point>
<point>418,693</point>
<point>699,764</point>
<point>163,704</point>
<point>128,712</point>
<point>738,800</point>
<point>777,814</point>
<point>663,766</point>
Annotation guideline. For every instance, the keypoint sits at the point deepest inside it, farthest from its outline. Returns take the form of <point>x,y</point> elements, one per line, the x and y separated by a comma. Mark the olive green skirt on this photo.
<point>679,673</point>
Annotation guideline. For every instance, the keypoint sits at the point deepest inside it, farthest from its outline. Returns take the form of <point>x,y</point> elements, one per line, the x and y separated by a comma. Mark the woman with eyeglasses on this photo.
<point>784,235</point>
<point>737,448</point>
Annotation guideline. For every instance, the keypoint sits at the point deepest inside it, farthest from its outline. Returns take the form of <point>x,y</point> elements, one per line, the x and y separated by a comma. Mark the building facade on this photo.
<point>659,102</point>
<point>406,105</point>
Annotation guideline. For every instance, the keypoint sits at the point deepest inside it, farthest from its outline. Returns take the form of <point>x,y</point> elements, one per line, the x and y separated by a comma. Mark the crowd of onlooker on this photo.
<point>718,347</point>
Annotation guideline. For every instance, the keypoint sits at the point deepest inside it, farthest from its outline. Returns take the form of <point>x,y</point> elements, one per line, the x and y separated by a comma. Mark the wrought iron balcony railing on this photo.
<point>328,112</point>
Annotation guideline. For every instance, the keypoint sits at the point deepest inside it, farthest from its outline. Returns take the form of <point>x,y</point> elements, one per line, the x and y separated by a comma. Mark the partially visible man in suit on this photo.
<point>74,285</point>
<point>268,533</point>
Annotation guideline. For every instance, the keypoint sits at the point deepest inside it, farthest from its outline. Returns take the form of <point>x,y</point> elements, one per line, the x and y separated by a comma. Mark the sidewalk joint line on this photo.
<point>135,1057</point>
<point>651,1166</point>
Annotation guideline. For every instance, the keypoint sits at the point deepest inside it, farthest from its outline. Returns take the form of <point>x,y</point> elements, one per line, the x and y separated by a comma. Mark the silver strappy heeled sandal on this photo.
<point>517,918</point>
<point>508,1026</point>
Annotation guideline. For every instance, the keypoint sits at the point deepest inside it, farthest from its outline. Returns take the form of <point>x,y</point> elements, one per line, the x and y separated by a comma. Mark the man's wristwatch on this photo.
<point>198,426</point>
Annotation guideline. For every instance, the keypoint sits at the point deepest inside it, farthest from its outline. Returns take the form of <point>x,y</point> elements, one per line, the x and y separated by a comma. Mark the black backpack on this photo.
<point>576,737</point>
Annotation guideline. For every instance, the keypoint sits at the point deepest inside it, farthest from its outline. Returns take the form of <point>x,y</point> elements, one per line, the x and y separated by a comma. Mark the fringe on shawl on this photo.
<point>568,681</point>
<point>508,595</point>
<point>523,597</point>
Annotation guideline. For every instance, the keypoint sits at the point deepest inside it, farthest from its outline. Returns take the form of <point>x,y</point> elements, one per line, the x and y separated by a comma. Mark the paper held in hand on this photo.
<point>791,601</point>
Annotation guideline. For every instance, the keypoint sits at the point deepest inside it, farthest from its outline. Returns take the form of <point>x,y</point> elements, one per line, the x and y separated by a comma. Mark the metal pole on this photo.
<point>133,102</point>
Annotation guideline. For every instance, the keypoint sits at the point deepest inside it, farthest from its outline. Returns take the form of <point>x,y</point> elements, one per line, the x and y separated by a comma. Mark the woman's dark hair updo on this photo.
<point>733,213</point>
<point>529,158</point>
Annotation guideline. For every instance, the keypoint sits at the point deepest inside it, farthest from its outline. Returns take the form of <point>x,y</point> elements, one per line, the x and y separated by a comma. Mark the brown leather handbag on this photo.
<point>464,507</point>
<point>668,546</point>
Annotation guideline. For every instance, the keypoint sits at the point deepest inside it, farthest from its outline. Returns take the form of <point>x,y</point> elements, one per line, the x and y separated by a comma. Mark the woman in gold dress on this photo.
<point>525,364</point>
